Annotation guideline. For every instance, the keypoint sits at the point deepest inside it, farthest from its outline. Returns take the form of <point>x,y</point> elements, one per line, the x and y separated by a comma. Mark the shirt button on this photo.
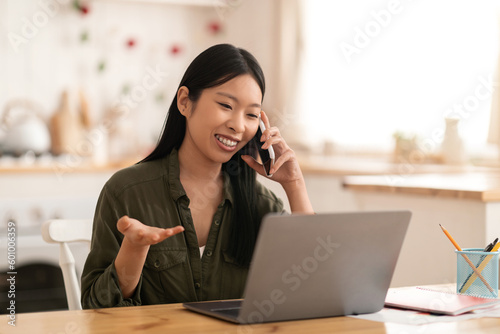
<point>209,253</point>
<point>197,285</point>
<point>157,264</point>
<point>217,222</point>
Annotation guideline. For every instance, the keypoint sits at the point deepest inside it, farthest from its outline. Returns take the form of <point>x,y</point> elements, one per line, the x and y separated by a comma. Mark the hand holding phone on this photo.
<point>267,156</point>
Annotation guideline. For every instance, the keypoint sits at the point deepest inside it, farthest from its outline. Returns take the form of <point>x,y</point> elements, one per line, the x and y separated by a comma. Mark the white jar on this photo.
<point>452,147</point>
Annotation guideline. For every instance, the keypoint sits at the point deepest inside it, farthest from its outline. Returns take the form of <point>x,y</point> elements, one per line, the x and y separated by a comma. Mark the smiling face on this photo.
<point>223,120</point>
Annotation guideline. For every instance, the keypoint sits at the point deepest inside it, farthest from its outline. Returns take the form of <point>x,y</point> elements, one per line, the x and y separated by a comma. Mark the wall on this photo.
<point>120,52</point>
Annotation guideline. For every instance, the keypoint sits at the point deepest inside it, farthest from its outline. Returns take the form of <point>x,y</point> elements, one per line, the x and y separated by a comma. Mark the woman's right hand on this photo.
<point>138,234</point>
<point>134,250</point>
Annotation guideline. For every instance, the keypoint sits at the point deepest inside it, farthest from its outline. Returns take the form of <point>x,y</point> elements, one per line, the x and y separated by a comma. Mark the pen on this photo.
<point>483,264</point>
<point>494,242</point>
<point>488,249</point>
<point>473,267</point>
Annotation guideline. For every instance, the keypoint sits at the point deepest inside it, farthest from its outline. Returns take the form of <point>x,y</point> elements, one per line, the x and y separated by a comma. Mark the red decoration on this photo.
<point>175,49</point>
<point>215,27</point>
<point>81,6</point>
<point>131,42</point>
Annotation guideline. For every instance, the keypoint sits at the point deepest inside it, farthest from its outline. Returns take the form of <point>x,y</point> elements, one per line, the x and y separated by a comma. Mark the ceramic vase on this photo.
<point>452,147</point>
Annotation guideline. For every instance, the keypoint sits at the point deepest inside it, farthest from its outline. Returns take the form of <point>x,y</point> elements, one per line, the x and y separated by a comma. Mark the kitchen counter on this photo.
<point>48,164</point>
<point>379,165</point>
<point>483,186</point>
<point>335,165</point>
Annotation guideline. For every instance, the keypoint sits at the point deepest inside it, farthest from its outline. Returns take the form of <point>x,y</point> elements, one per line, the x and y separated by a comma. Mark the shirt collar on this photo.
<point>173,179</point>
<point>173,171</point>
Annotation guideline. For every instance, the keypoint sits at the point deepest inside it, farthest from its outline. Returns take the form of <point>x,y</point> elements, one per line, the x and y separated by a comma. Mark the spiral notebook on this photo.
<point>438,302</point>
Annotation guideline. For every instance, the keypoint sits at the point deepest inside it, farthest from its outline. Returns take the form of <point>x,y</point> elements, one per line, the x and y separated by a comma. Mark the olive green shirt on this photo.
<point>173,272</point>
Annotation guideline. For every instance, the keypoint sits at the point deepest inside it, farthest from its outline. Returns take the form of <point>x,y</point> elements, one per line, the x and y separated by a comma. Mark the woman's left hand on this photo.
<point>286,168</point>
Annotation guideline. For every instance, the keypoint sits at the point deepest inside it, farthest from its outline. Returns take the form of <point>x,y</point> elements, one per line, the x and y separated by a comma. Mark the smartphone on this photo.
<point>266,156</point>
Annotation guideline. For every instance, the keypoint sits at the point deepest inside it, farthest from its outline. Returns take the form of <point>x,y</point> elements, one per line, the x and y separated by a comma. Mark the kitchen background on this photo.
<point>84,90</point>
<point>119,61</point>
<point>353,86</point>
<point>404,66</point>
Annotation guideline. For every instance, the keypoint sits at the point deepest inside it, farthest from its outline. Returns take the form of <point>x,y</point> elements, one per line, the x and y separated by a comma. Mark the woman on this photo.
<point>181,224</point>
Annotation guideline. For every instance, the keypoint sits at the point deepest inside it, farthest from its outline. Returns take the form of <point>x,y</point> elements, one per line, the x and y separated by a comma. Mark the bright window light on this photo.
<point>372,68</point>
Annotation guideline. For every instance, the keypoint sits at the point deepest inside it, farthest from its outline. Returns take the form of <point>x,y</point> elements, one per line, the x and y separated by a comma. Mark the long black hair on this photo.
<point>213,67</point>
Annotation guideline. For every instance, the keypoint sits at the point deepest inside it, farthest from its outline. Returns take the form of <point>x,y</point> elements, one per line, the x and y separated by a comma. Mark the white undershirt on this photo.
<point>202,249</point>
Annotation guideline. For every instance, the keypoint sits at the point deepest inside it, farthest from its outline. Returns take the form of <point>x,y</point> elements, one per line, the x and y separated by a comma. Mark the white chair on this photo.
<point>64,231</point>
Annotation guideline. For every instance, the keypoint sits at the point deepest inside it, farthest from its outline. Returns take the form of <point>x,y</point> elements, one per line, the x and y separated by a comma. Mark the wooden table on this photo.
<point>174,318</point>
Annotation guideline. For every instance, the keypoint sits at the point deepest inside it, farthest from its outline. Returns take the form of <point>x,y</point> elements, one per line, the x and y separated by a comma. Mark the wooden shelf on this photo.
<point>60,167</point>
<point>482,186</point>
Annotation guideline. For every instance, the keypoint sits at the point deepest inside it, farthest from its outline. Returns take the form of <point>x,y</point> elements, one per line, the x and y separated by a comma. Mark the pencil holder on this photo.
<point>477,273</point>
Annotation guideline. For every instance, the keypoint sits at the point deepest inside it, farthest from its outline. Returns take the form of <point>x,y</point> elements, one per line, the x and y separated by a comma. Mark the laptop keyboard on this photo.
<point>232,312</point>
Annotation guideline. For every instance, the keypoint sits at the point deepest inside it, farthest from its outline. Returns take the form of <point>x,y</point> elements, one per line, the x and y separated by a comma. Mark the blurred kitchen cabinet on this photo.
<point>27,199</point>
<point>467,204</point>
<point>31,197</point>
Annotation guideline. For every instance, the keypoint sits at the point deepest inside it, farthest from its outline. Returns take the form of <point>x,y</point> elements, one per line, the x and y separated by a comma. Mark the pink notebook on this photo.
<point>426,300</point>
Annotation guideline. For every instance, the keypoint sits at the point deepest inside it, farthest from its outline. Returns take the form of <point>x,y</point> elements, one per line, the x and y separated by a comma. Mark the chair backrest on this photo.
<point>64,231</point>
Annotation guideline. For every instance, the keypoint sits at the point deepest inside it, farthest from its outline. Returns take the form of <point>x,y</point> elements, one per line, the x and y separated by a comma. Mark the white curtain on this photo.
<point>289,59</point>
<point>494,125</point>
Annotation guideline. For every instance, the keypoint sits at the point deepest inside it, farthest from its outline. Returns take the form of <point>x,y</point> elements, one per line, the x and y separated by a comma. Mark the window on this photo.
<point>372,68</point>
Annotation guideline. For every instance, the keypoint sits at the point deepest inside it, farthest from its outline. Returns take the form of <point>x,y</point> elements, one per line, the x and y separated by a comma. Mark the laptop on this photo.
<point>312,266</point>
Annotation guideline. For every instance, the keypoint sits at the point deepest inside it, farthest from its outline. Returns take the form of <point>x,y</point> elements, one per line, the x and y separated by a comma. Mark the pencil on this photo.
<point>466,258</point>
<point>451,238</point>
